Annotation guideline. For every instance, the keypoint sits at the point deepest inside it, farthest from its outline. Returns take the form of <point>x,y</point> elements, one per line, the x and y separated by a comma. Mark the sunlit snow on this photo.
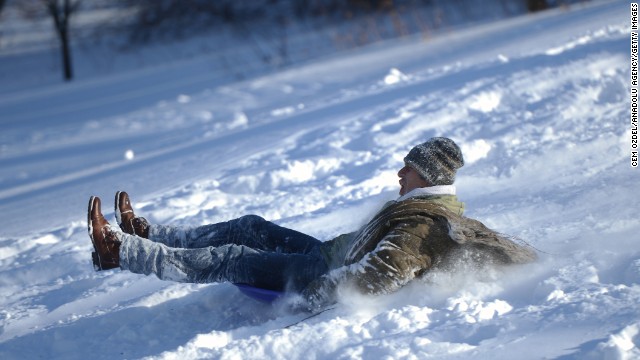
<point>538,103</point>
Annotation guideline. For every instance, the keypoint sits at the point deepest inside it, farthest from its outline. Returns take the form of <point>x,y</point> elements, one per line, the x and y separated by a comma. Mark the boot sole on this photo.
<point>95,257</point>
<point>96,260</point>
<point>116,208</point>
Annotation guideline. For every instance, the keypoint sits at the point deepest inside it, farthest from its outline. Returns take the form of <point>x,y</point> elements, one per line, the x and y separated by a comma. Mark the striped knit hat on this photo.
<point>436,160</point>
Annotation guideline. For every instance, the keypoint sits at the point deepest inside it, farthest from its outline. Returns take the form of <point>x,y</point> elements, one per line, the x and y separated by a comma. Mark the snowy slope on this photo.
<point>539,103</point>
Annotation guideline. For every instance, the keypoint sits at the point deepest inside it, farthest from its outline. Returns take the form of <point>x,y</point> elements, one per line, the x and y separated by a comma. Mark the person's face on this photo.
<point>410,179</point>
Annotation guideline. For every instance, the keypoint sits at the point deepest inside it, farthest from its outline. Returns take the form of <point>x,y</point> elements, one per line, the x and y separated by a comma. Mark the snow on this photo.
<point>539,105</point>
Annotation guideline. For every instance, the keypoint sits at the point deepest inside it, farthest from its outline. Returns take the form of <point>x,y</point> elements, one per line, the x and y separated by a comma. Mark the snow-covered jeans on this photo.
<point>247,250</point>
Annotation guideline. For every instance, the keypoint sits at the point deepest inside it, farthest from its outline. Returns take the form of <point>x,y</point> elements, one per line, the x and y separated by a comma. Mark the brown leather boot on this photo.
<point>107,246</point>
<point>127,220</point>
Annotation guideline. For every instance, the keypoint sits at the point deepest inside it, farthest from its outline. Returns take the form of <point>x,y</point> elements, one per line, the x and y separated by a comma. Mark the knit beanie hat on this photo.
<point>436,160</point>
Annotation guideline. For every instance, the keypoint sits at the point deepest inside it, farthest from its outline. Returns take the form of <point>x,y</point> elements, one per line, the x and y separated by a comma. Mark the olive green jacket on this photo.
<point>403,241</point>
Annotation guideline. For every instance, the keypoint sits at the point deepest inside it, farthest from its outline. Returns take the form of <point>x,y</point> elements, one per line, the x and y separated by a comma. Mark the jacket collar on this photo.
<point>431,190</point>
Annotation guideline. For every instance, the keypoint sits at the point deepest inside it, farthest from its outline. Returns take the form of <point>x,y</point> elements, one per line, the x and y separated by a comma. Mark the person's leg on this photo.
<point>250,230</point>
<point>230,262</point>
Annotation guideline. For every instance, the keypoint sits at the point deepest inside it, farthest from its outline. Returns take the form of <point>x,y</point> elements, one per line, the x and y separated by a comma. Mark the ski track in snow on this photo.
<point>542,126</point>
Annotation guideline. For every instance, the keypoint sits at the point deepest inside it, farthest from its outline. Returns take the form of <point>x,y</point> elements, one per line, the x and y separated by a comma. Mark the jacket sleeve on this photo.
<point>395,261</point>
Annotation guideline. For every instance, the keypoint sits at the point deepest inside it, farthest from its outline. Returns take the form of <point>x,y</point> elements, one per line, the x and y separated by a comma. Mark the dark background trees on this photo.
<point>537,5</point>
<point>267,24</point>
<point>161,18</point>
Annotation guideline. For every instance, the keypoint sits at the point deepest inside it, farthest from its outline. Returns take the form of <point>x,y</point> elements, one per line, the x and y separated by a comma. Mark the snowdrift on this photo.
<point>539,104</point>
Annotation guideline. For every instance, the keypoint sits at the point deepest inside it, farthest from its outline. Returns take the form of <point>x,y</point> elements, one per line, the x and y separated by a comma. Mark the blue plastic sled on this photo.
<point>264,295</point>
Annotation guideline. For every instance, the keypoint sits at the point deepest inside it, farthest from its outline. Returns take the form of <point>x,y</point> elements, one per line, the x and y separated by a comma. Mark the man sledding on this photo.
<point>423,229</point>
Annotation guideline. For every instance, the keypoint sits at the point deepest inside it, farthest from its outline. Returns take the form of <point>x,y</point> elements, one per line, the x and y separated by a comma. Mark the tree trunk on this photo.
<point>61,15</point>
<point>66,54</point>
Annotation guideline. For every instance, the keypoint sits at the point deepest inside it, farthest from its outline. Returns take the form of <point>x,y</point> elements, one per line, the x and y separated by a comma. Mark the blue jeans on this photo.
<point>248,250</point>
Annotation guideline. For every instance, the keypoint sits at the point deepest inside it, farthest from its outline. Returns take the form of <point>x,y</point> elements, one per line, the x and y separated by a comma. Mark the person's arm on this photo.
<point>395,261</point>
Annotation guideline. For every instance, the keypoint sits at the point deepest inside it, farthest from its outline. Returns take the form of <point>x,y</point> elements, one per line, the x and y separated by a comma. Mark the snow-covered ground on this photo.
<point>540,105</point>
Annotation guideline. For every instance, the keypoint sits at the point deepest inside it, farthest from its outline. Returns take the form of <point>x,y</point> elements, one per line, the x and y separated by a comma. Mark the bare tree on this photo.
<point>60,12</point>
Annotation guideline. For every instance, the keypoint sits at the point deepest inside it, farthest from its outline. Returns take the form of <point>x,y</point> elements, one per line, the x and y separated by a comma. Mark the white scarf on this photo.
<point>431,190</point>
